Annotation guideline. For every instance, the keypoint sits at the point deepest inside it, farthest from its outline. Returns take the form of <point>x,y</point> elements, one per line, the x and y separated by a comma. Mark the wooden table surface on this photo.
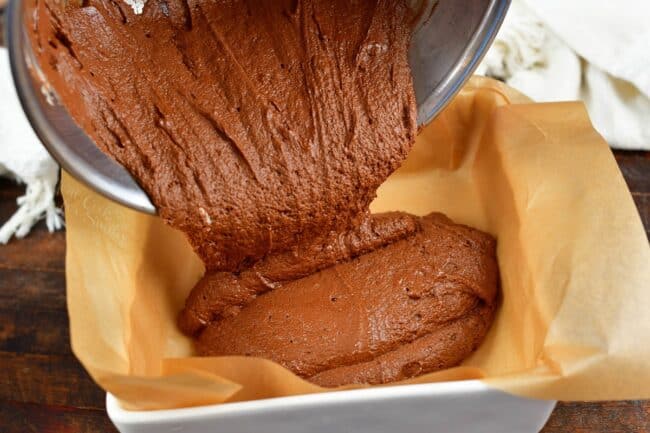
<point>43,388</point>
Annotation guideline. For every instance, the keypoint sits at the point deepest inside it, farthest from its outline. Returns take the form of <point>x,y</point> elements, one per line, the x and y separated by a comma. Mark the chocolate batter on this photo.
<point>221,294</point>
<point>252,125</point>
<point>262,130</point>
<point>416,305</point>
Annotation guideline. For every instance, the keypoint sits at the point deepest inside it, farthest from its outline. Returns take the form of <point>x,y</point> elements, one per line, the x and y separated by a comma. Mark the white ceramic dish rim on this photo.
<point>120,415</point>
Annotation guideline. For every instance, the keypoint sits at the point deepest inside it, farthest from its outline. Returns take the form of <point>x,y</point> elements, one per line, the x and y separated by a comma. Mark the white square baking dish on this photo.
<point>449,407</point>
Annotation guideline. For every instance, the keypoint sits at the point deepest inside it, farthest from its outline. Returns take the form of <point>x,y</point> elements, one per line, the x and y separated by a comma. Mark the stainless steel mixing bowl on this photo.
<point>445,51</point>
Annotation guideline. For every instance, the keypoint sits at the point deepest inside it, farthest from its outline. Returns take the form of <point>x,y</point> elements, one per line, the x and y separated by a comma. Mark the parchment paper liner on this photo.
<point>574,321</point>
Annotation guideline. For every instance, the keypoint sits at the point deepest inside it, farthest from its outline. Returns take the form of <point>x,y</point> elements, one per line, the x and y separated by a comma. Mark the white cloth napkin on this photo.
<point>594,50</point>
<point>23,158</point>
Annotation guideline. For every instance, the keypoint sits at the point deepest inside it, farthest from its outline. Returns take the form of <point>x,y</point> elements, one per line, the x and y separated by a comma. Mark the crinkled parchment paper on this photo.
<point>574,320</point>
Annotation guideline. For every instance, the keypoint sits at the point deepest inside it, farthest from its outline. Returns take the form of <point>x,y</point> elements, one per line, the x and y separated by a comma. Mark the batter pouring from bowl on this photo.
<point>257,128</point>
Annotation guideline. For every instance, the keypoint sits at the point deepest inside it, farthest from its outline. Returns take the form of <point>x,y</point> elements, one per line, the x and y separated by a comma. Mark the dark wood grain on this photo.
<point>2,22</point>
<point>43,388</point>
<point>642,201</point>
<point>635,167</point>
<point>34,331</point>
<point>19,417</point>
<point>38,251</point>
<point>602,417</point>
<point>50,257</point>
<point>47,379</point>
<point>23,290</point>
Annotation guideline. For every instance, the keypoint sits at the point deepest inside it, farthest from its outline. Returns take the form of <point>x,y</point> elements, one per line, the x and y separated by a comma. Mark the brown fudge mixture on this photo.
<point>252,125</point>
<point>262,130</point>
<point>416,305</point>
